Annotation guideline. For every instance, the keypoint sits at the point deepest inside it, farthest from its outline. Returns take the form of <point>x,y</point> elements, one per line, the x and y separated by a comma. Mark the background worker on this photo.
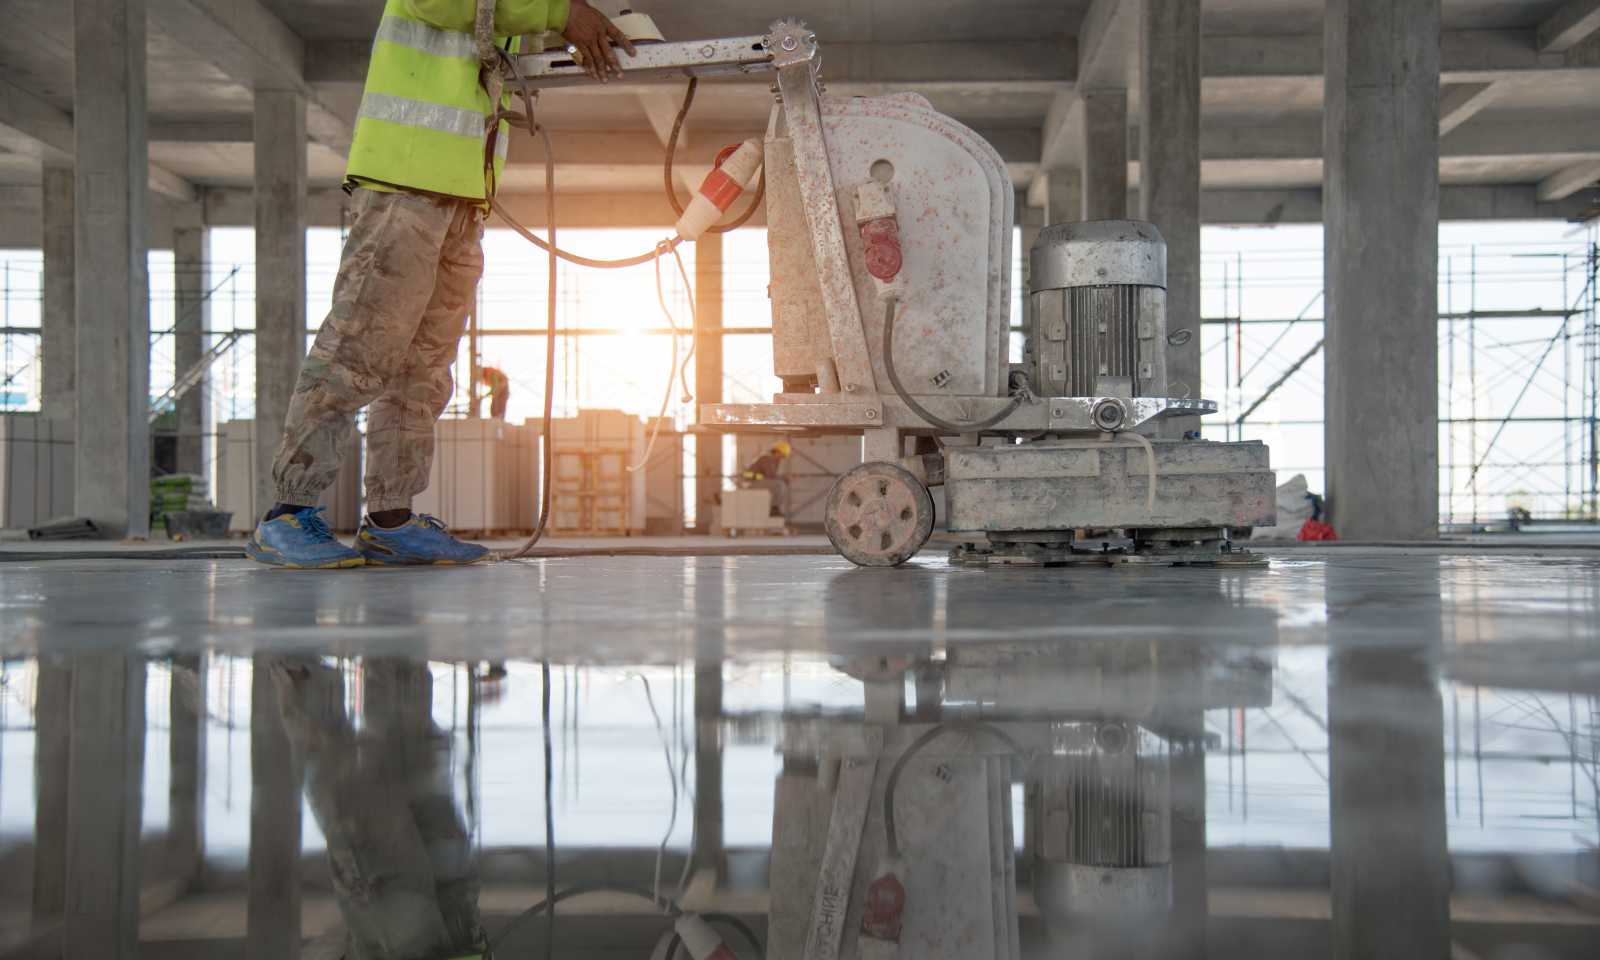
<point>425,156</point>
<point>767,473</point>
<point>499,390</point>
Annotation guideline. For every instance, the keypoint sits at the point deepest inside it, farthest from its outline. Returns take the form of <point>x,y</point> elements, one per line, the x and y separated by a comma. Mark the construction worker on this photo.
<point>424,157</point>
<point>767,473</point>
<point>499,390</point>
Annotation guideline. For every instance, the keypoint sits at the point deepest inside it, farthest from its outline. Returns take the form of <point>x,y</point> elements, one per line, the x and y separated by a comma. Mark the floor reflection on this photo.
<point>1126,793</point>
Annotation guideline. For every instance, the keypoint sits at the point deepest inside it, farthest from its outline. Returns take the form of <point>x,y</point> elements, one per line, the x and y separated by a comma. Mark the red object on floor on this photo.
<point>1317,530</point>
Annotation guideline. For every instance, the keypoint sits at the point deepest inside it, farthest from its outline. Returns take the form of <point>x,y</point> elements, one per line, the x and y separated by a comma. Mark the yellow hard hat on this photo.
<point>782,448</point>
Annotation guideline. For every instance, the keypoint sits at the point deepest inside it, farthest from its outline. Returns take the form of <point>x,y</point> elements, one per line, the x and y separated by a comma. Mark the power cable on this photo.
<point>666,169</point>
<point>890,836</point>
<point>919,409</point>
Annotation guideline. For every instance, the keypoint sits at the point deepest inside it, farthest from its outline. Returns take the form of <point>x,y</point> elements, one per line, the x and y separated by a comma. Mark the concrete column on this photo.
<point>273,920</point>
<point>1169,177</point>
<point>51,747</point>
<point>59,340</point>
<point>1389,863</point>
<point>280,132</point>
<point>104,799</point>
<point>1105,154</point>
<point>188,340</point>
<point>186,789</point>
<point>707,374</point>
<point>1381,211</point>
<point>112,292</point>
<point>1063,196</point>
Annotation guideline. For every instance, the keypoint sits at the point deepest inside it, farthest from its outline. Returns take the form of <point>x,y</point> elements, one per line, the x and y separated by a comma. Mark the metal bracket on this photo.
<point>732,57</point>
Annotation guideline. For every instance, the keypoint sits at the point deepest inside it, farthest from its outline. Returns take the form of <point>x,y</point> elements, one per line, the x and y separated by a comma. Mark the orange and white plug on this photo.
<point>736,169</point>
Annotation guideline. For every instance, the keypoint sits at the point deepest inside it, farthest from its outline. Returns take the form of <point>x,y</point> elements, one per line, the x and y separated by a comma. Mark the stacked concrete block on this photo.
<point>36,470</point>
<point>485,476</point>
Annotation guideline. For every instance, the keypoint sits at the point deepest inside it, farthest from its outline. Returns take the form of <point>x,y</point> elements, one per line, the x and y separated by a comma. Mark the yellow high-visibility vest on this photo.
<point>423,123</point>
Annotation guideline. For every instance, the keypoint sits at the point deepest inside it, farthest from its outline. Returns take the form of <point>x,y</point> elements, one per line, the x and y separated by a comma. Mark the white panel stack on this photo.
<point>663,481</point>
<point>485,476</point>
<point>236,488</point>
<point>36,465</point>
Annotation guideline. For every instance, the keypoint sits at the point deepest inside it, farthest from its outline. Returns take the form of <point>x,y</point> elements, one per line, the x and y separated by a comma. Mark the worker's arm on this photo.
<point>511,17</point>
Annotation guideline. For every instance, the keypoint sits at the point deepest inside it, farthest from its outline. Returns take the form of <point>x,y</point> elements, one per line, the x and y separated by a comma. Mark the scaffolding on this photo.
<point>1519,373</point>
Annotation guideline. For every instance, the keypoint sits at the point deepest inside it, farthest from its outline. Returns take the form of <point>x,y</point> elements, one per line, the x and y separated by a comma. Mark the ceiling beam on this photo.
<point>1108,44</point>
<point>1304,205</point>
<point>250,45</point>
<point>1505,134</point>
<point>1565,183</point>
<point>1460,102</point>
<point>1465,56</point>
<point>1575,22</point>
<point>48,131</point>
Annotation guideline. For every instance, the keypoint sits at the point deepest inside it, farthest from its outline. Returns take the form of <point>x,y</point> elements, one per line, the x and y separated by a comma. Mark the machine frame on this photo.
<point>878,531</point>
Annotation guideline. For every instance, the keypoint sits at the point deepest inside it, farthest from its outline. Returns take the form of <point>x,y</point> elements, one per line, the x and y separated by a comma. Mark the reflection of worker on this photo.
<point>407,278</point>
<point>767,473</point>
<point>399,855</point>
<point>499,390</point>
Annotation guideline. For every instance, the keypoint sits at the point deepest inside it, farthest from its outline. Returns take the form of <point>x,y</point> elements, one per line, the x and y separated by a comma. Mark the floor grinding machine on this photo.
<point>890,238</point>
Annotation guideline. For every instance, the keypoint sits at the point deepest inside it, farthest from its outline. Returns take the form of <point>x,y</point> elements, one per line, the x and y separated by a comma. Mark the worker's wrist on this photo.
<point>561,13</point>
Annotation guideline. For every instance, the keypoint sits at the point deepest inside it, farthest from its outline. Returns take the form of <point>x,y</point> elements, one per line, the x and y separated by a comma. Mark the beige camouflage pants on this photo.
<point>407,280</point>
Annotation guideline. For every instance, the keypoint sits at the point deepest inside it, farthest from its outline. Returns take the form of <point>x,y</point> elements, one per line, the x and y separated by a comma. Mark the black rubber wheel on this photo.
<point>879,515</point>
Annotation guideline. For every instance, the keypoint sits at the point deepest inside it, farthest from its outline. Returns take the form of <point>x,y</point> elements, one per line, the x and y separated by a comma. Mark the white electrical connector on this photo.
<point>734,172</point>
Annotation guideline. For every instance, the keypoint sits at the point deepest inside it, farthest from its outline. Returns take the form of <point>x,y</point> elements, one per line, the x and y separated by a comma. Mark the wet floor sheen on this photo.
<point>1354,753</point>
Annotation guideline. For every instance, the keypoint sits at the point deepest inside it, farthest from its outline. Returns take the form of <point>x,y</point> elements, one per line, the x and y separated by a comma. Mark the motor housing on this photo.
<point>1097,315</point>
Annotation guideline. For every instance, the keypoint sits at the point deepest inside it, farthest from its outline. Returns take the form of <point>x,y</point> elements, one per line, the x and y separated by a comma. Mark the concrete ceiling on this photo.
<point>1518,88</point>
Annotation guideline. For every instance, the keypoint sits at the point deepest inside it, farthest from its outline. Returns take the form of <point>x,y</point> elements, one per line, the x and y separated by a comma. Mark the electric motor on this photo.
<point>1097,314</point>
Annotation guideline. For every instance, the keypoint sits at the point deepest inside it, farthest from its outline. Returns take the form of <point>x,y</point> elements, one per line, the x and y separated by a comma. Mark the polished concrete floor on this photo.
<point>1529,607</point>
<point>1400,742</point>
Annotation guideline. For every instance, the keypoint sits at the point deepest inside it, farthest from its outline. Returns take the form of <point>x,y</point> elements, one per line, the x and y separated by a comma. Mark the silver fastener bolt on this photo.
<point>849,388</point>
<point>790,44</point>
<point>872,414</point>
<point>708,51</point>
<point>1058,412</point>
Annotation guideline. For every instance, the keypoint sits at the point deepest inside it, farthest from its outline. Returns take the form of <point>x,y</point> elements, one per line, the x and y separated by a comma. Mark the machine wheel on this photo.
<point>879,515</point>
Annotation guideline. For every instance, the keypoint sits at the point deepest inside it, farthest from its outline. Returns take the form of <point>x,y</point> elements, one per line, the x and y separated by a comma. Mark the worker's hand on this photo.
<point>591,34</point>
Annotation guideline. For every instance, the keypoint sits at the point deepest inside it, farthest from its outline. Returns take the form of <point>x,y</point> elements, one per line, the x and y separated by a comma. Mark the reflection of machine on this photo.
<point>890,241</point>
<point>896,837</point>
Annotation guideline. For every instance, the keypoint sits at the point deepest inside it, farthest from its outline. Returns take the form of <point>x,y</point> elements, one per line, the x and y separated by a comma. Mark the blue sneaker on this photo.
<point>420,540</point>
<point>300,541</point>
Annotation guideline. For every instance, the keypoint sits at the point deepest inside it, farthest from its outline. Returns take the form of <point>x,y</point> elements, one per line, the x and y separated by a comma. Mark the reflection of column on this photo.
<point>1390,859</point>
<point>711,601</point>
<point>708,850</point>
<point>104,806</point>
<point>275,775</point>
<point>187,750</point>
<point>52,715</point>
<point>1190,903</point>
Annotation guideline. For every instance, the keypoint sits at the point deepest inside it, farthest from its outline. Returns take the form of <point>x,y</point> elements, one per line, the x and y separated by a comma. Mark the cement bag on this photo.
<point>1294,509</point>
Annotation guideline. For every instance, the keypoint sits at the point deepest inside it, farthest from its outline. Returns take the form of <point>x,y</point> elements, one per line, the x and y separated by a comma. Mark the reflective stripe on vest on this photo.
<point>419,113</point>
<point>427,39</point>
